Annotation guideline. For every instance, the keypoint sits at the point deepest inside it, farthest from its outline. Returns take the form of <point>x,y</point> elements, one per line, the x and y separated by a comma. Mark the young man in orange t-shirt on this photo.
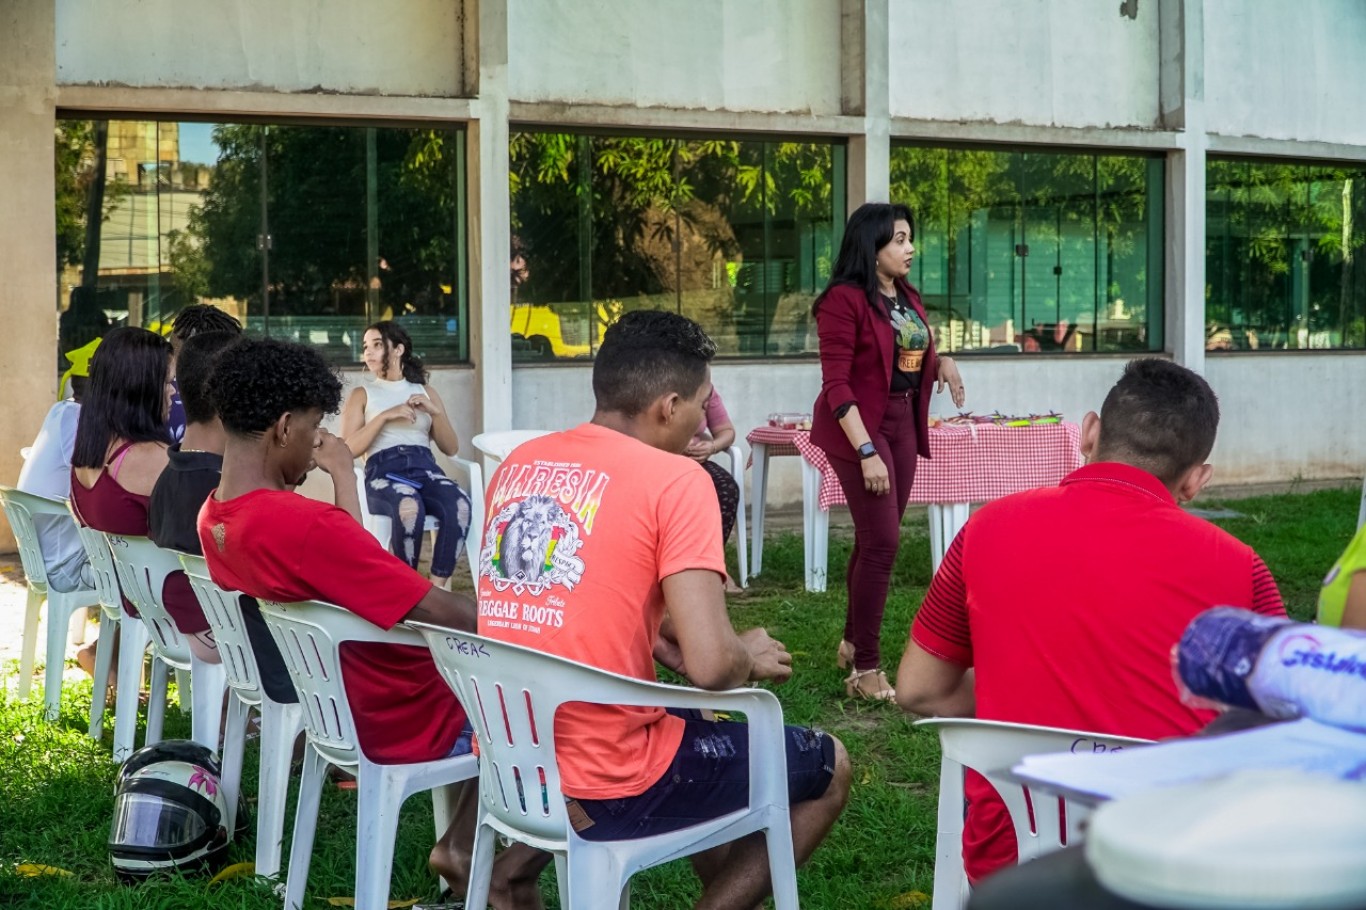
<point>600,547</point>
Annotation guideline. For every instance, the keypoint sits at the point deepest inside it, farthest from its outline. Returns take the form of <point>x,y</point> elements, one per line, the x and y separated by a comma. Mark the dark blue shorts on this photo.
<point>708,778</point>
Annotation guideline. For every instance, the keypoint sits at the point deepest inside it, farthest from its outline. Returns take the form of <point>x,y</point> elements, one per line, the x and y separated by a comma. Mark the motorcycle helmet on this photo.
<point>168,815</point>
<point>186,750</point>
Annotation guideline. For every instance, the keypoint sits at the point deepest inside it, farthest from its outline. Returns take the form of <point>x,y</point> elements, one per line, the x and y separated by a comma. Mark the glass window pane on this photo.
<point>552,223</point>
<point>721,274</point>
<point>798,231</point>
<point>1284,243</point>
<point>1034,251</point>
<point>1128,254</point>
<point>733,233</point>
<point>307,233</point>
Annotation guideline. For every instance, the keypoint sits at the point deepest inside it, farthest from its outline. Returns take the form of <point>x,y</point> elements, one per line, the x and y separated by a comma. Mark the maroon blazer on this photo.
<point>856,346</point>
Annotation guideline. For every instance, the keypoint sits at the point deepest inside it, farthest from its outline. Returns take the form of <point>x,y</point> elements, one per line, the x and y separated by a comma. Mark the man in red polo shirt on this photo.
<point>1060,606</point>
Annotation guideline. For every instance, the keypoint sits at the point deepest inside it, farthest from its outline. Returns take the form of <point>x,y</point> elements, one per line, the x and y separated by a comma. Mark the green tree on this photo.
<point>325,189</point>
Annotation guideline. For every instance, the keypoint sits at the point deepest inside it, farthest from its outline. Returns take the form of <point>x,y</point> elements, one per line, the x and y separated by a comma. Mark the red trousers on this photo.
<point>877,526</point>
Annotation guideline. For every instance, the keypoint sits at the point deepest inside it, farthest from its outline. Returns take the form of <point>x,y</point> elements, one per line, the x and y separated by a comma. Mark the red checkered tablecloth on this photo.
<point>778,440</point>
<point>970,463</point>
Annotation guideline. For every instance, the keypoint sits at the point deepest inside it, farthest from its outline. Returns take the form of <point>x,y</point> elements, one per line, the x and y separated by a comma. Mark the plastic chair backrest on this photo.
<point>310,635</point>
<point>1361,513</point>
<point>512,693</point>
<point>497,445</point>
<point>223,610</point>
<point>20,508</point>
<point>102,566</point>
<point>1043,822</point>
<point>142,568</point>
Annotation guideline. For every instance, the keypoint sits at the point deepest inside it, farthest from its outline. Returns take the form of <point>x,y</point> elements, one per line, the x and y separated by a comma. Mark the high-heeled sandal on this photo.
<point>854,686</point>
<point>844,656</point>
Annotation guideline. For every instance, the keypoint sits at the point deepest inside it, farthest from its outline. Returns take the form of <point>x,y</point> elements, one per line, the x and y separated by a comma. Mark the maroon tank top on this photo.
<point>107,506</point>
<point>110,508</point>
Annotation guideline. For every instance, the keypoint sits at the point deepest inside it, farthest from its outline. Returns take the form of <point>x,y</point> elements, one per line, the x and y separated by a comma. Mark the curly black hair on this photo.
<point>646,354</point>
<point>201,317</point>
<point>258,379</point>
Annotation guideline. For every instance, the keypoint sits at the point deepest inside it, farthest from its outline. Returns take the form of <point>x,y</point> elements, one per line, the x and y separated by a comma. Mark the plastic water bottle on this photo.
<point>1233,657</point>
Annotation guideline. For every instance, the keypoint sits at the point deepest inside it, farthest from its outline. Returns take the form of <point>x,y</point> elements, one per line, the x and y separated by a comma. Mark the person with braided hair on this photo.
<point>195,319</point>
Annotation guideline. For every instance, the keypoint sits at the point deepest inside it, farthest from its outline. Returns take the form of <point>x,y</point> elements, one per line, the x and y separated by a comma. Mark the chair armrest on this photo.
<point>473,471</point>
<point>343,625</point>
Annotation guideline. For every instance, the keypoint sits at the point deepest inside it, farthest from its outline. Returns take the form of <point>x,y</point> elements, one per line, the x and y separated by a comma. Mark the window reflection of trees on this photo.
<point>303,232</point>
<point>735,234</point>
<point>1284,242</point>
<point>1038,250</point>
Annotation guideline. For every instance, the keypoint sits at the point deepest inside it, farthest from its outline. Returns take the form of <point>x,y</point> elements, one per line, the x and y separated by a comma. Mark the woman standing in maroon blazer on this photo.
<point>878,363</point>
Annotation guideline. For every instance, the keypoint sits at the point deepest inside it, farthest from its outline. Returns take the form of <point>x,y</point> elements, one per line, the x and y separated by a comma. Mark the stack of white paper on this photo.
<point>1304,744</point>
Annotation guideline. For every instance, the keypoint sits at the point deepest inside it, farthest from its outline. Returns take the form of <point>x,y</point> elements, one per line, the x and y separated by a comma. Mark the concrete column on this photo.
<point>1181,40</point>
<point>866,89</point>
<point>28,251</point>
<point>489,219</point>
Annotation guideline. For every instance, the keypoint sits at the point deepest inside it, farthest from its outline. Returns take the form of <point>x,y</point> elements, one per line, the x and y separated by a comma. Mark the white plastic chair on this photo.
<point>1043,822</point>
<point>473,476</point>
<point>496,446</point>
<point>946,519</point>
<point>142,567</point>
<point>281,723</point>
<point>512,694</point>
<point>1361,513</point>
<point>737,471</point>
<point>20,508</point>
<point>310,636</point>
<point>131,637</point>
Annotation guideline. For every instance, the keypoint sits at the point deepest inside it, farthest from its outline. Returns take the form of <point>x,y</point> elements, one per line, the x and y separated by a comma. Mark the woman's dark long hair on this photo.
<point>868,230</point>
<point>126,398</point>
<point>409,363</point>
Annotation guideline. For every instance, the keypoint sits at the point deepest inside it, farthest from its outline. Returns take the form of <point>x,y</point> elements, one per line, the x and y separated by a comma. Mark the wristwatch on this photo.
<point>867,450</point>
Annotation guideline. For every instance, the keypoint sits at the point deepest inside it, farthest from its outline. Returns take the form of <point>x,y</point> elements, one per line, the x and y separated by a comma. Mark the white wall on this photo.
<point>1075,63</point>
<point>757,55</point>
<point>1286,70</point>
<point>1289,415</point>
<point>399,47</point>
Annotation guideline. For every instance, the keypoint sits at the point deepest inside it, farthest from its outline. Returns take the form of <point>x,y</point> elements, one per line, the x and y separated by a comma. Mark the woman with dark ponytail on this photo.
<point>392,418</point>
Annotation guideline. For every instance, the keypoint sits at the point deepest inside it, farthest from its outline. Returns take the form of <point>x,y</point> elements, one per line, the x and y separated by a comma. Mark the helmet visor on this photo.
<point>149,824</point>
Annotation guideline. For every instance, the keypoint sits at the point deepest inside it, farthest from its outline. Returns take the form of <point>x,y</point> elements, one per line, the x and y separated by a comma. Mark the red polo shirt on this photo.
<point>281,546</point>
<point>1067,601</point>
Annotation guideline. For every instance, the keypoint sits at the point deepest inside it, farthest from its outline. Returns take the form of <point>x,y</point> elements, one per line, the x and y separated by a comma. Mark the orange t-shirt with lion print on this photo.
<point>581,528</point>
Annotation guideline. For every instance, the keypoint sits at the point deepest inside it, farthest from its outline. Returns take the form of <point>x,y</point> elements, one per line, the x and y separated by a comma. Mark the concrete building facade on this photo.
<point>1175,84</point>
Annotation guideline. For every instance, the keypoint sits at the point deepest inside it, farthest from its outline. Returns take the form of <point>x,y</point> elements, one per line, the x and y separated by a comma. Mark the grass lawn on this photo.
<point>56,785</point>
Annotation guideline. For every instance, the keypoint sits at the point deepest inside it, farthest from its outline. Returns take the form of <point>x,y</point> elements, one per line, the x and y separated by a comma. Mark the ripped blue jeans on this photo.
<point>407,505</point>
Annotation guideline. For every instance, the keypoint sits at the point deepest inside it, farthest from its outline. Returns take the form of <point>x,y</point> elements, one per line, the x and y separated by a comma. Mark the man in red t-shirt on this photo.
<point>600,547</point>
<point>262,539</point>
<point>1060,606</point>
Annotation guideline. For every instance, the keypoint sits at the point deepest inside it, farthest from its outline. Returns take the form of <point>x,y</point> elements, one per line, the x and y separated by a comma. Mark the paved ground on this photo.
<point>13,598</point>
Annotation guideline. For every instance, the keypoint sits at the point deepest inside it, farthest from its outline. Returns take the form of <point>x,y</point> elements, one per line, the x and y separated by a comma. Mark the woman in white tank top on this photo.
<point>392,418</point>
